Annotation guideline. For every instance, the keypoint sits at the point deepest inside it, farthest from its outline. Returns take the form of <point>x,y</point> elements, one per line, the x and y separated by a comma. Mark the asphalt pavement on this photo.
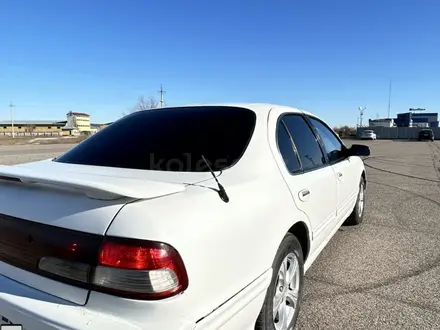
<point>383,274</point>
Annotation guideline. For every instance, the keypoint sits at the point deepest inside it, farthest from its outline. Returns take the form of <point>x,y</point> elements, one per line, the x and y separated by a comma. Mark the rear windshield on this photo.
<point>170,139</point>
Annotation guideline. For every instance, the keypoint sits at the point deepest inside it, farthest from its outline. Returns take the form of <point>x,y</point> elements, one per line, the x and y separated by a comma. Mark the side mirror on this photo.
<point>359,150</point>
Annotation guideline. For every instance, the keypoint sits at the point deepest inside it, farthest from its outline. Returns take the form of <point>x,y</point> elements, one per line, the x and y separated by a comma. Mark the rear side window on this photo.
<point>170,139</point>
<point>286,149</point>
<point>308,148</point>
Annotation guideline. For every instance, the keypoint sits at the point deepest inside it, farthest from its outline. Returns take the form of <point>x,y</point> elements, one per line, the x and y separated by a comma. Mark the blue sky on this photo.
<point>328,57</point>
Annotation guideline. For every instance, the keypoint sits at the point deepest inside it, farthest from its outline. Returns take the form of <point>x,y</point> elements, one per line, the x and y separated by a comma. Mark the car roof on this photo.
<point>260,109</point>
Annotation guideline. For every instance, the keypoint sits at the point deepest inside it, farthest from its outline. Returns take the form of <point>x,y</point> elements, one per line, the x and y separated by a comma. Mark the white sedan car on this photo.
<point>186,218</point>
<point>368,135</point>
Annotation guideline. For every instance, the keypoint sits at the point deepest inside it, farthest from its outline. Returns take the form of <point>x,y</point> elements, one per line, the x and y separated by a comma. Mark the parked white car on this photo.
<point>200,217</point>
<point>368,135</point>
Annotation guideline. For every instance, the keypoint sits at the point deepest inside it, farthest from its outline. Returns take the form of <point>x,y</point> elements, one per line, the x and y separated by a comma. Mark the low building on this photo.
<point>98,127</point>
<point>410,119</point>
<point>32,127</point>
<point>77,123</point>
<point>386,122</point>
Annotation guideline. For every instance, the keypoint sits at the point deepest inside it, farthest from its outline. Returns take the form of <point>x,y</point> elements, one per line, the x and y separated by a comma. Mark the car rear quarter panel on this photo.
<point>225,246</point>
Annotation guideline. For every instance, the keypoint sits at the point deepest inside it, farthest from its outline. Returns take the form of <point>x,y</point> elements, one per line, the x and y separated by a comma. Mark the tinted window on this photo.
<point>286,149</point>
<point>171,139</point>
<point>332,145</point>
<point>308,148</point>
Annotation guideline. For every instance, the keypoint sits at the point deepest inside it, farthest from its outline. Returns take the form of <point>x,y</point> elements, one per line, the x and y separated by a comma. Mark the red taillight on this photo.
<point>135,256</point>
<point>129,268</point>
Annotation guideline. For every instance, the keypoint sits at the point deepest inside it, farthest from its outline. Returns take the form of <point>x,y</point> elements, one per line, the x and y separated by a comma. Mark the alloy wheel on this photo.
<point>285,301</point>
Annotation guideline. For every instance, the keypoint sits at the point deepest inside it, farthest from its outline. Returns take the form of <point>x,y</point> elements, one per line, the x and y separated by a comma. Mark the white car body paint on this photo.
<point>368,135</point>
<point>227,248</point>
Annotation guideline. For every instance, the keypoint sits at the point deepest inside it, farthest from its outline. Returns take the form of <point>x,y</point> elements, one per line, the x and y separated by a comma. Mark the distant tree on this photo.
<point>345,131</point>
<point>144,104</point>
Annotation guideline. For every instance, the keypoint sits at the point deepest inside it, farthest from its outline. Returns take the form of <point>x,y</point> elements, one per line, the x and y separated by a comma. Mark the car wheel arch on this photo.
<point>302,233</point>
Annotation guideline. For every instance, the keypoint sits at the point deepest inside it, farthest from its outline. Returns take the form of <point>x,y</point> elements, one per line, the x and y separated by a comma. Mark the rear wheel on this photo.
<point>357,215</point>
<point>281,306</point>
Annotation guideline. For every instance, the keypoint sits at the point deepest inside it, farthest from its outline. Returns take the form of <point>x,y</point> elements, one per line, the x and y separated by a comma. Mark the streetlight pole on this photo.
<point>361,112</point>
<point>11,108</point>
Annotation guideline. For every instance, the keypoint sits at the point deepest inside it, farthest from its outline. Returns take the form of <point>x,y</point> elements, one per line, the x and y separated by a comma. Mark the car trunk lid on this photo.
<point>58,212</point>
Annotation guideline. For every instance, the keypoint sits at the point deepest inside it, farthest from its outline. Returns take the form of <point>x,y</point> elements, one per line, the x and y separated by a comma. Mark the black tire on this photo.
<point>290,244</point>
<point>357,215</point>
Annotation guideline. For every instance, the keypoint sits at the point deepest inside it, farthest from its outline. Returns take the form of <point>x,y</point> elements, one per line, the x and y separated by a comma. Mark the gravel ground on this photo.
<point>16,154</point>
<point>383,274</point>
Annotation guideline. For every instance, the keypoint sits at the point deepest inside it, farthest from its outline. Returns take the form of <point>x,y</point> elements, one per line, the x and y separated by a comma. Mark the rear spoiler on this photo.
<point>94,186</point>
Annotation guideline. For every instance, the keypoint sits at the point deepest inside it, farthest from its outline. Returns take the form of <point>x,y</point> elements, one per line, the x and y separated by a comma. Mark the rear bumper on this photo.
<point>36,310</point>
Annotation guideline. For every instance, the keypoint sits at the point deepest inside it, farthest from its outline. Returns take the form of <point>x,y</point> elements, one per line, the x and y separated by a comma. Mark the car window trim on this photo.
<point>327,163</point>
<point>295,151</point>
<point>315,130</point>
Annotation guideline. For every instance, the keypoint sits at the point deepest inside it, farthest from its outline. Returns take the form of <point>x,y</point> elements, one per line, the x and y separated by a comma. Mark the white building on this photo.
<point>386,122</point>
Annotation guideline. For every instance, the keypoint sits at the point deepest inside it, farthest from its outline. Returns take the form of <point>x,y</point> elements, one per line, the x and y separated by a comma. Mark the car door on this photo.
<point>345,169</point>
<point>310,178</point>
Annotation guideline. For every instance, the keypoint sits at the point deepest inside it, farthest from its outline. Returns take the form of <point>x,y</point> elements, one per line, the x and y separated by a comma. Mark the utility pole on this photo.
<point>11,108</point>
<point>389,101</point>
<point>161,92</point>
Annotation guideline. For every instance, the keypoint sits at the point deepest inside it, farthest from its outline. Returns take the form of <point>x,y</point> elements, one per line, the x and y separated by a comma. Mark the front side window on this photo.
<point>309,151</point>
<point>332,145</point>
<point>170,139</point>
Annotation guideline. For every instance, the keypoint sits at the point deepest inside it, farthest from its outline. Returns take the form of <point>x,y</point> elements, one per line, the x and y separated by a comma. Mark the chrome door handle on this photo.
<point>305,193</point>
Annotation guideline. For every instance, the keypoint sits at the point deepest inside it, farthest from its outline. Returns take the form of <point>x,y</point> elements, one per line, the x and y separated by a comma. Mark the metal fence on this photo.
<point>30,134</point>
<point>391,133</point>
